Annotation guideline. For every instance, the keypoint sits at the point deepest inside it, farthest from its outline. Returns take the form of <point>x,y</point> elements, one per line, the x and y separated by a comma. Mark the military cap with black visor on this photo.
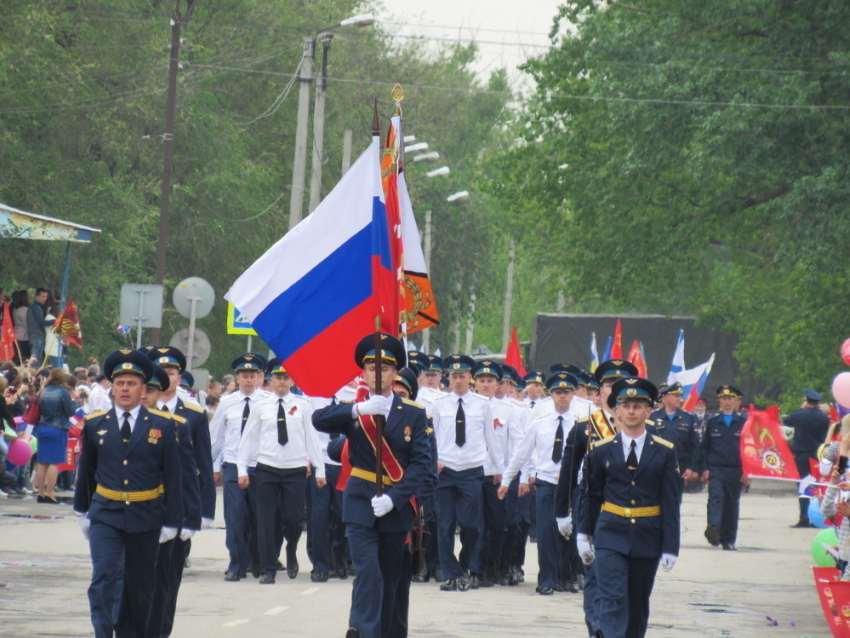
<point>249,362</point>
<point>535,376</point>
<point>392,351</point>
<point>419,358</point>
<point>488,368</point>
<point>274,366</point>
<point>632,389</point>
<point>561,381</point>
<point>458,363</point>
<point>121,362</point>
<point>167,357</point>
<point>409,379</point>
<point>614,369</point>
<point>159,380</point>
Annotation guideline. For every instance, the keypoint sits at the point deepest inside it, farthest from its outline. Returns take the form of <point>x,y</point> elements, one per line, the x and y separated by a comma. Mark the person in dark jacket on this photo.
<point>810,428</point>
<point>36,323</point>
<point>57,407</point>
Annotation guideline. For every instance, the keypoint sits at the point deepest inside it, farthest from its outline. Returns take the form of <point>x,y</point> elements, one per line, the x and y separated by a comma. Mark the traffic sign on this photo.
<point>237,324</point>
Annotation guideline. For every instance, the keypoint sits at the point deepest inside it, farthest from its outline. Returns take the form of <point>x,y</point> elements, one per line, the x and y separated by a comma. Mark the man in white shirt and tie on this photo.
<point>463,424</point>
<point>544,441</point>
<point>280,438</point>
<point>226,427</point>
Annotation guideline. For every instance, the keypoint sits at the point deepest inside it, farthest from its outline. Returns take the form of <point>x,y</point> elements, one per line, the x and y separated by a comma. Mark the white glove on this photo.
<point>382,505</point>
<point>186,534</point>
<point>585,549</point>
<point>374,405</point>
<point>565,526</point>
<point>85,524</point>
<point>668,561</point>
<point>167,534</point>
<point>206,523</point>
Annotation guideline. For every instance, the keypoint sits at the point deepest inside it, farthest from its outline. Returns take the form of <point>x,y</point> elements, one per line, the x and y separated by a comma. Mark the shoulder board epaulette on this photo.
<point>352,401</point>
<point>607,439</point>
<point>413,403</point>
<point>194,407</point>
<point>663,442</point>
<point>168,415</point>
<point>94,415</point>
<point>583,419</point>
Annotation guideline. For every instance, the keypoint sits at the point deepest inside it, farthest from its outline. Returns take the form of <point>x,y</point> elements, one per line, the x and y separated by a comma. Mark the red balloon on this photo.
<point>845,352</point>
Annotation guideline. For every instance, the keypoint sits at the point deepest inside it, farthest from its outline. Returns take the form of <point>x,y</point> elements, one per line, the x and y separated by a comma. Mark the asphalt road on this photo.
<point>45,568</point>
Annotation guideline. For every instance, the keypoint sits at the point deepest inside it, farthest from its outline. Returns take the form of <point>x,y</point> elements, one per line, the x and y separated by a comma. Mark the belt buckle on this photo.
<point>125,496</point>
<point>628,512</point>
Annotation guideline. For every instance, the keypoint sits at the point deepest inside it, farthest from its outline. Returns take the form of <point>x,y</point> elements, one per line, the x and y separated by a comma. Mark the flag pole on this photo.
<point>378,418</point>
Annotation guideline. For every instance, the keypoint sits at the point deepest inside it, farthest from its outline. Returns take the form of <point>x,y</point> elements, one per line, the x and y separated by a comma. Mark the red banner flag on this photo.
<point>636,357</point>
<point>513,356</point>
<point>67,325</point>
<point>833,599</point>
<point>617,346</point>
<point>764,451</point>
<point>7,343</point>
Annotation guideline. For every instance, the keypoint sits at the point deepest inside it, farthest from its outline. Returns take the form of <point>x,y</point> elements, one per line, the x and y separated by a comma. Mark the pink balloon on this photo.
<point>841,388</point>
<point>845,351</point>
<point>20,452</point>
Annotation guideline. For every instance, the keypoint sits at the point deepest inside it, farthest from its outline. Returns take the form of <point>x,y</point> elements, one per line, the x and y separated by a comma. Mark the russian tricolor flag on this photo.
<point>314,294</point>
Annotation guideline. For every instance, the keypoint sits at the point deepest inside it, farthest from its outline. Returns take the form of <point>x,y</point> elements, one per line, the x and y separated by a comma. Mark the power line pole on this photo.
<point>509,297</point>
<point>319,126</point>
<point>299,164</point>
<point>168,139</point>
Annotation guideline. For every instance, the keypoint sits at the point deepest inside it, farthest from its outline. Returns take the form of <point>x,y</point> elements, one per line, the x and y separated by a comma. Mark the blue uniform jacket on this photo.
<point>721,445</point>
<point>198,428</point>
<point>151,458</point>
<point>188,472</point>
<point>405,433</point>
<point>654,483</point>
<point>680,431</point>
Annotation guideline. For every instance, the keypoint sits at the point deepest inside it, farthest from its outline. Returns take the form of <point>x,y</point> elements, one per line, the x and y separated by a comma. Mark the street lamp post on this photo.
<point>299,167</point>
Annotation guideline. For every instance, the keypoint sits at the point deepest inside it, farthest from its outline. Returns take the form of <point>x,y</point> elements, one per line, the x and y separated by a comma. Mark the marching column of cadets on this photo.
<point>505,467</point>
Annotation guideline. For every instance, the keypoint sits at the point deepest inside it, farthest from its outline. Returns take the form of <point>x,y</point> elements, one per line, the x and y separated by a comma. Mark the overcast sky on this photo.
<point>508,31</point>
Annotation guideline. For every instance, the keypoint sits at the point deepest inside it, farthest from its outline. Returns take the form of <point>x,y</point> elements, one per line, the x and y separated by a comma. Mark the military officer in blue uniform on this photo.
<point>570,494</point>
<point>376,526</point>
<point>673,424</point>
<point>633,512</point>
<point>128,498</point>
<point>721,460</point>
<point>199,492</point>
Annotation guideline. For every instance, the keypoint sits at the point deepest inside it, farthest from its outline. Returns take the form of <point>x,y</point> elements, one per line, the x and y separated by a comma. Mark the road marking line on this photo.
<point>312,590</point>
<point>274,611</point>
<point>235,623</point>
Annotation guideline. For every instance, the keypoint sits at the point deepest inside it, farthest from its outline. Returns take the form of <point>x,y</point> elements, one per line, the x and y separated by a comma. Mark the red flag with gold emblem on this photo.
<point>7,343</point>
<point>617,345</point>
<point>637,357</point>
<point>764,451</point>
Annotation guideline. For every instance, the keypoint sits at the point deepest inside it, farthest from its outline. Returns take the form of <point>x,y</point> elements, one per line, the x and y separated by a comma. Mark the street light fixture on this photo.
<point>443,170</point>
<point>427,157</point>
<point>456,196</point>
<point>419,146</point>
<point>299,170</point>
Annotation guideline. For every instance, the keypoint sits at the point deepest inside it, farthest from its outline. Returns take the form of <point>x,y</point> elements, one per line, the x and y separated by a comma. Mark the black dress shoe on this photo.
<point>230,577</point>
<point>545,591</point>
<point>464,583</point>
<point>319,577</point>
<point>729,547</point>
<point>486,581</point>
<point>712,535</point>
<point>292,569</point>
<point>351,633</point>
<point>449,585</point>
<point>267,579</point>
<point>474,582</point>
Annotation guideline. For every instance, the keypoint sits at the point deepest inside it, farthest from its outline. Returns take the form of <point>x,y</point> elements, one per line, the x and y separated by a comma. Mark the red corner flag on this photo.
<point>617,346</point>
<point>67,325</point>
<point>513,357</point>
<point>764,451</point>
<point>7,343</point>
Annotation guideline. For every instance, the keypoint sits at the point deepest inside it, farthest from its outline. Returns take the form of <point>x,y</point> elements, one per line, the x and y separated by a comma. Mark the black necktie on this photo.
<point>282,434</point>
<point>558,447</point>
<point>632,461</point>
<point>245,413</point>
<point>460,425</point>
<point>125,428</point>
<point>532,403</point>
<point>165,407</point>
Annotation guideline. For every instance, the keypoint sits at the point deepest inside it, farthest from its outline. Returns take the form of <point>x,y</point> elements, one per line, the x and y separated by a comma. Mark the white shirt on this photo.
<point>226,426</point>
<point>134,415</point>
<point>99,398</point>
<point>171,404</point>
<point>318,403</point>
<point>580,407</point>
<point>508,431</point>
<point>426,396</point>
<point>539,441</point>
<point>259,442</point>
<point>627,444</point>
<point>480,437</point>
